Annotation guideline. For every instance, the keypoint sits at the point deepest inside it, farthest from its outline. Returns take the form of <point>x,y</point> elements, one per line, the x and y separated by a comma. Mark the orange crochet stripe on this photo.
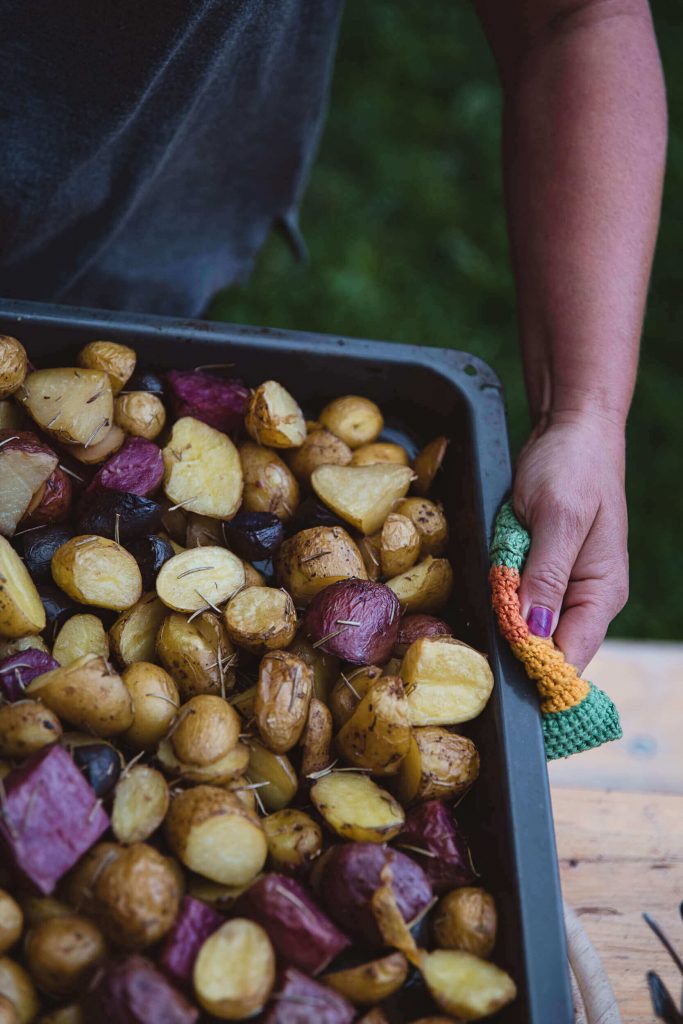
<point>504,586</point>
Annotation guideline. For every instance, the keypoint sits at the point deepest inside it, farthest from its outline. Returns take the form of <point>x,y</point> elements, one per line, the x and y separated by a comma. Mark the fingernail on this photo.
<point>540,621</point>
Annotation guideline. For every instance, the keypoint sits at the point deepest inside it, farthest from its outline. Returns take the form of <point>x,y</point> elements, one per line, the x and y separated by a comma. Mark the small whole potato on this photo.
<point>269,484</point>
<point>206,729</point>
<point>313,559</point>
<point>429,521</point>
<point>140,413</point>
<point>88,693</point>
<point>8,1011</point>
<point>320,448</point>
<point>78,887</point>
<point>466,919</point>
<point>283,694</point>
<point>316,741</point>
<point>273,418</point>
<point>137,896</point>
<point>399,545</point>
<point>61,953</point>
<point>294,839</point>
<point>356,420</point>
<point>380,452</point>
<point>118,361</point>
<point>13,365</point>
<point>199,655</point>
<point>355,619</point>
<point>261,619</point>
<point>27,726</point>
<point>17,987</point>
<point>11,921</point>
<point>155,704</point>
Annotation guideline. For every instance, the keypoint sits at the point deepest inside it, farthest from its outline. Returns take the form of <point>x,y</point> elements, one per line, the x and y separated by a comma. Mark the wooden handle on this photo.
<point>593,992</point>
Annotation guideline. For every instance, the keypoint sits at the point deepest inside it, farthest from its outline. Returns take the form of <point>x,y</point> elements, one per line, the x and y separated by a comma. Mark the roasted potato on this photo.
<point>424,588</point>
<point>283,694</point>
<point>97,571</point>
<point>133,635</point>
<point>38,908</point>
<point>120,517</point>
<point>362,495</point>
<point>193,925</point>
<point>62,952</point>
<point>100,762</point>
<point>133,991</point>
<point>357,421</point>
<point>11,921</point>
<point>412,627</point>
<point>150,552</point>
<point>429,521</point>
<point>213,834</point>
<point>316,740</point>
<point>228,768</point>
<point>13,365</point>
<point>325,666</point>
<point>269,484</point>
<point>137,468</point>
<point>206,730</point>
<point>320,1003</point>
<point>356,808</point>
<point>116,360</point>
<point>107,444</point>
<point>349,691</point>
<point>140,413</point>
<point>466,919</point>
<point>137,896</point>
<point>78,887</point>
<point>448,682</point>
<point>17,987</point>
<point>26,463</point>
<point>398,544</point>
<point>370,553</point>
<point>276,774</point>
<point>198,654</point>
<point>313,559</point>
<point>438,764</point>
<point>80,635</point>
<point>88,693</point>
<point>433,840</point>
<point>380,453</point>
<point>371,982</point>
<point>11,416</point>
<point>254,535</point>
<point>202,470</point>
<point>377,735</point>
<point>141,801</point>
<point>21,610</point>
<point>75,406</point>
<point>427,464</point>
<point>234,972</point>
<point>273,418</point>
<point>52,503</point>
<point>355,619</point>
<point>218,401</point>
<point>199,578</point>
<point>155,701</point>
<point>294,839</point>
<point>261,619</point>
<point>464,985</point>
<point>8,1011</point>
<point>27,726</point>
<point>203,531</point>
<point>320,448</point>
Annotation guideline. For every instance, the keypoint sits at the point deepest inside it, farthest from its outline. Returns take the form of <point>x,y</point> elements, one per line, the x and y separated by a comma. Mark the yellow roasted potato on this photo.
<point>21,610</point>
<point>371,982</point>
<point>424,588</point>
<point>447,681</point>
<point>362,495</point>
<point>356,808</point>
<point>22,643</point>
<point>62,952</point>
<point>275,774</point>
<point>313,559</point>
<point>133,635</point>
<point>13,365</point>
<point>11,921</point>
<point>283,694</point>
<point>465,985</point>
<point>198,655</point>
<point>273,418</point>
<point>27,726</point>
<point>116,360</point>
<point>88,694</point>
<point>202,469</point>
<point>325,666</point>
<point>137,896</point>
<point>439,765</point>
<point>206,730</point>
<point>140,414</point>
<point>427,464</point>
<point>430,522</point>
<point>219,773</point>
<point>380,453</point>
<point>320,448</point>
<point>377,735</point>
<point>466,919</point>
<point>39,908</point>
<point>75,406</point>
<point>98,571</point>
<point>107,444</point>
<point>213,834</point>
<point>141,800</point>
<point>269,484</point>
<point>199,578</point>
<point>356,420</point>
<point>78,887</point>
<point>349,691</point>
<point>261,619</point>
<point>80,635</point>
<point>17,987</point>
<point>234,972</point>
<point>399,545</point>
<point>294,839</point>
<point>316,740</point>
<point>155,701</point>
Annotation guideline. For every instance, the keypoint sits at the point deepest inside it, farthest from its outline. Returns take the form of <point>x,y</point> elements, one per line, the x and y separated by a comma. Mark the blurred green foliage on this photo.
<point>405,227</point>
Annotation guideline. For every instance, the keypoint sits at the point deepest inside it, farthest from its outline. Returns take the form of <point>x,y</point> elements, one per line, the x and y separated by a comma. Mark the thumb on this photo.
<point>556,539</point>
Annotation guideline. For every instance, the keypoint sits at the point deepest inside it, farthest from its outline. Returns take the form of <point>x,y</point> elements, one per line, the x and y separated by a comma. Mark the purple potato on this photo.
<point>352,873</point>
<point>114,514</point>
<point>37,548</point>
<point>254,536</point>
<point>137,468</point>
<point>359,618</point>
<point>58,608</point>
<point>218,401</point>
<point>50,817</point>
<point>195,922</point>
<point>300,1000</point>
<point>133,991</point>
<point>430,826</point>
<point>412,627</point>
<point>100,764</point>
<point>150,553</point>
<point>145,380</point>
<point>17,671</point>
<point>300,932</point>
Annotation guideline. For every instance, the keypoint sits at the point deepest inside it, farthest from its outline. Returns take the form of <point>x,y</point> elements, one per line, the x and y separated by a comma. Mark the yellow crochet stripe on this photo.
<point>559,685</point>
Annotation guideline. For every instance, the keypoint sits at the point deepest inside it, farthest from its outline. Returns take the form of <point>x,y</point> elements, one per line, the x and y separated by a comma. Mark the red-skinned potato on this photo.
<point>26,463</point>
<point>447,863</point>
<point>137,468</point>
<point>133,991</point>
<point>297,989</point>
<point>19,669</point>
<point>196,920</point>
<point>55,501</point>
<point>357,620</point>
<point>218,401</point>
<point>412,627</point>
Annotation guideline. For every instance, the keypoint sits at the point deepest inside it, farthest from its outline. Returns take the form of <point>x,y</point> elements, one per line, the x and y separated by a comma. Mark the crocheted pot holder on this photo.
<point>576,714</point>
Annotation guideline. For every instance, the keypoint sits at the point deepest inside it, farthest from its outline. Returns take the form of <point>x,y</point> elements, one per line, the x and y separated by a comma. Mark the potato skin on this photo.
<point>128,991</point>
<point>89,694</point>
<point>439,764</point>
<point>155,701</point>
<point>118,361</point>
<point>356,420</point>
<point>466,919</point>
<point>427,464</point>
<point>137,897</point>
<point>55,501</point>
<point>294,840</point>
<point>313,559</point>
<point>380,452</point>
<point>269,484</point>
<point>140,414</point>
<point>206,729</point>
<point>426,587</point>
<point>11,921</point>
<point>27,726</point>
<point>377,735</point>
<point>133,636</point>
<point>13,365</point>
<point>61,952</point>
<point>325,666</point>
<point>275,769</point>
<point>349,691</point>
<point>399,545</point>
<point>355,807</point>
<point>430,523</point>
<point>273,417</point>
<point>370,982</point>
<point>430,826</point>
<point>413,627</point>
<point>355,619</point>
<point>261,619</point>
<point>17,986</point>
<point>320,448</point>
<point>296,987</point>
<point>190,652</point>
<point>283,695</point>
<point>316,740</point>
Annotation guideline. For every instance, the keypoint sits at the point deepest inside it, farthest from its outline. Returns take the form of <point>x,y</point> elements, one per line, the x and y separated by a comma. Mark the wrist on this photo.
<point>588,407</point>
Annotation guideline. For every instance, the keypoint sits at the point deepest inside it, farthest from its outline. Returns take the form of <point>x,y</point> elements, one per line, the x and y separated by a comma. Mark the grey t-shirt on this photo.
<point>149,147</point>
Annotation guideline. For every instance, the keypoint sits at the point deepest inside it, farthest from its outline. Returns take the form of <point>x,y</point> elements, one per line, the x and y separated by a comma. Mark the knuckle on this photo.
<point>550,578</point>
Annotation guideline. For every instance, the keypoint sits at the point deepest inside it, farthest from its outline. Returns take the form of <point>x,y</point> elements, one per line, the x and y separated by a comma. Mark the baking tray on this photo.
<point>423,392</point>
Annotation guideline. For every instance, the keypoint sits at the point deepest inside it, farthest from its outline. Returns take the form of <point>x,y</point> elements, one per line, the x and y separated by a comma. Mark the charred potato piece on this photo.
<point>17,987</point>
<point>199,578</point>
<point>356,420</point>
<point>429,521</point>
<point>313,559</point>
<point>448,682</point>
<point>198,655</point>
<point>377,735</point>
<point>13,365</point>
<point>141,800</point>
<point>269,484</point>
<point>116,360</point>
<point>101,763</point>
<point>206,730</point>
<point>93,454</point>
<point>120,517</point>
<point>221,772</point>
<point>202,470</point>
<point>399,545</point>
<point>325,666</point>
<point>80,635</point>
<point>213,834</point>
<point>11,921</point>
<point>62,952</point>
<point>362,495</point>
<point>88,693</point>
<point>261,619</point>
<point>95,570</point>
<point>275,772</point>
<point>234,972</point>
<point>356,808</point>
<point>466,919</point>
<point>316,740</point>
<point>21,610</point>
<point>294,839</point>
<point>27,726</point>
<point>133,635</point>
<point>464,985</point>
<point>372,982</point>
<point>137,896</point>
<point>254,535</point>
<point>424,588</point>
<point>76,406</point>
<point>439,764</point>
<point>150,552</point>
<point>428,463</point>
<point>283,694</point>
<point>140,413</point>
<point>320,448</point>
<point>380,453</point>
<point>273,418</point>
<point>349,691</point>
<point>155,701</point>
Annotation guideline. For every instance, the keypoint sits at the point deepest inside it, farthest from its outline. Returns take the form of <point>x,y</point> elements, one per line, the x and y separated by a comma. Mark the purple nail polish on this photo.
<point>540,621</point>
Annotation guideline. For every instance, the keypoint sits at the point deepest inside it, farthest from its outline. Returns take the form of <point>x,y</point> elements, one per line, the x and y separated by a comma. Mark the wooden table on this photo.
<point>619,823</point>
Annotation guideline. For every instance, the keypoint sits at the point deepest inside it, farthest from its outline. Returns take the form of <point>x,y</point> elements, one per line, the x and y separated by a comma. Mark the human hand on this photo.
<point>569,493</point>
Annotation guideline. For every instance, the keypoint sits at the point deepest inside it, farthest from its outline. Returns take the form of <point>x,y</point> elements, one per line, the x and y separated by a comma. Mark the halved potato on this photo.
<point>234,972</point>
<point>424,588</point>
<point>356,808</point>
<point>261,619</point>
<point>100,450</point>
<point>199,578</point>
<point>429,521</point>
<point>439,765</point>
<point>362,495</point>
<point>466,919</point>
<point>205,731</point>
<point>88,693</point>
<point>13,365</point>
<point>74,405</point>
<point>27,726</point>
<point>275,772</point>
<point>269,484</point>
<point>116,360</point>
<point>81,634</point>
<point>141,800</point>
<point>133,635</point>
<point>371,982</point>
<point>380,453</point>
<point>202,469</point>
<point>283,695</point>
<point>294,839</point>
<point>221,772</point>
<point>273,417</point>
<point>316,740</point>
<point>98,571</point>
<point>313,559</point>
<point>21,610</point>
<point>155,704</point>
<point>349,691</point>
<point>26,463</point>
<point>399,545</point>
<point>354,419</point>
<point>198,654</point>
<point>427,464</point>
<point>447,681</point>
<point>464,985</point>
<point>140,414</point>
<point>377,735</point>
<point>320,448</point>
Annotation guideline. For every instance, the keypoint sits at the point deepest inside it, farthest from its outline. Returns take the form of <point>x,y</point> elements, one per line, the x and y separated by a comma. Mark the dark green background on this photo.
<point>404,223</point>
